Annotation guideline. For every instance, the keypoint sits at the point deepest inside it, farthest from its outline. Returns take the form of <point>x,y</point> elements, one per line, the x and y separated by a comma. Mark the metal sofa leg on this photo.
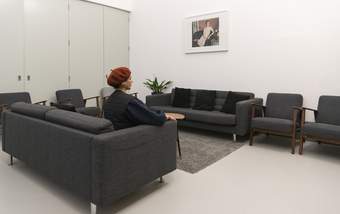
<point>93,208</point>
<point>11,161</point>
<point>234,137</point>
<point>251,137</point>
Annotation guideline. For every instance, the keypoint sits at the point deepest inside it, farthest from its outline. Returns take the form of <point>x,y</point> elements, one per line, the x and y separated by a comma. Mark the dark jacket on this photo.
<point>125,111</point>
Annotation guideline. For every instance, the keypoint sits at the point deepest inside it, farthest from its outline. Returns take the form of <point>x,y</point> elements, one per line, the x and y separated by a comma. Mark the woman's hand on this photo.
<point>169,117</point>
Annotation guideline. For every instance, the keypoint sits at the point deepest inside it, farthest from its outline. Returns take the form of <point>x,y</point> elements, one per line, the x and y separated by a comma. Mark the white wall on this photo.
<point>275,46</point>
<point>120,4</point>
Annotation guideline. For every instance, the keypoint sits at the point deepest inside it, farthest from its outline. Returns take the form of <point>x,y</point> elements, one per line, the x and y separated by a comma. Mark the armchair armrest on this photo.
<point>43,102</point>
<point>94,97</point>
<point>256,108</point>
<point>303,114</point>
<point>158,100</point>
<point>244,113</point>
<point>310,109</point>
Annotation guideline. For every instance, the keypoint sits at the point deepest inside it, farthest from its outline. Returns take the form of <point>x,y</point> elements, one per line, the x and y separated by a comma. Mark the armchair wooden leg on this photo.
<point>302,141</point>
<point>293,144</point>
<point>252,132</point>
<point>93,208</point>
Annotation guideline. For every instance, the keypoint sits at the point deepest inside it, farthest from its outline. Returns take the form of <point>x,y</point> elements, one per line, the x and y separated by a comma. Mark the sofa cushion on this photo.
<point>270,123</point>
<point>79,121</point>
<point>32,110</point>
<point>205,100</point>
<point>230,103</point>
<point>182,97</point>
<point>212,117</point>
<point>322,130</point>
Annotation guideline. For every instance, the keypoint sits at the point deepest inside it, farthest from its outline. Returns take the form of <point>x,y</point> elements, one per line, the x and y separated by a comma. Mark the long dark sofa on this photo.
<point>236,124</point>
<point>84,154</point>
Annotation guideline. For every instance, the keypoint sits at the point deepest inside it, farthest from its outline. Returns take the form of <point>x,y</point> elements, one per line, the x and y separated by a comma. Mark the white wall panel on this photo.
<point>46,51</point>
<point>11,45</point>
<point>116,39</point>
<point>86,50</point>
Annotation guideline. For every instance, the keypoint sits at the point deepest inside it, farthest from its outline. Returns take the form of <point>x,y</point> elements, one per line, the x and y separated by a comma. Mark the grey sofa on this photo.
<point>236,124</point>
<point>84,154</point>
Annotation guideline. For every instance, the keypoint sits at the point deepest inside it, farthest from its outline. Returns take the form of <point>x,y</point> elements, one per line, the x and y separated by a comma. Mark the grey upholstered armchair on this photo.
<point>326,128</point>
<point>280,116</point>
<point>75,98</point>
<point>7,99</point>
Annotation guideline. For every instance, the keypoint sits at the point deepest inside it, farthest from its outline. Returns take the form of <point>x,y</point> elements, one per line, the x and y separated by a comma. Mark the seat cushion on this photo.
<point>182,97</point>
<point>205,100</point>
<point>322,130</point>
<point>272,124</point>
<point>212,117</point>
<point>92,111</point>
<point>230,103</point>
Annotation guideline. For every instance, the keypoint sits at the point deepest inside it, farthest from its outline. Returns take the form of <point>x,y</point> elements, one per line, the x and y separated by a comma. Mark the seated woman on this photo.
<point>125,110</point>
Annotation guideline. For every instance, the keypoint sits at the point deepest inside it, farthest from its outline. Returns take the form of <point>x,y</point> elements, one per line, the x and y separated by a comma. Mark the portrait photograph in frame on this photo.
<point>206,33</point>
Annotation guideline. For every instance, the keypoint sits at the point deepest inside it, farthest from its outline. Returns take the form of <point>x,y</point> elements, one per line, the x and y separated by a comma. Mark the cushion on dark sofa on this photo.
<point>230,103</point>
<point>33,110</point>
<point>79,121</point>
<point>182,97</point>
<point>205,100</point>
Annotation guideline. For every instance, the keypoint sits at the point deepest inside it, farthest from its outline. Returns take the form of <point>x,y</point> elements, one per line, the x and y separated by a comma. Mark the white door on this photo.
<point>46,47</point>
<point>86,48</point>
<point>116,39</point>
<point>11,45</point>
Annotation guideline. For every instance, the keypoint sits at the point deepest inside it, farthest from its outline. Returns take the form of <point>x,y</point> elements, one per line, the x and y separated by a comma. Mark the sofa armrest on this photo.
<point>243,114</point>
<point>158,100</point>
<point>124,160</point>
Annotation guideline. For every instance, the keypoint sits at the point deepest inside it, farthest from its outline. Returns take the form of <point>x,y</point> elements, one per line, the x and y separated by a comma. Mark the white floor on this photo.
<point>264,178</point>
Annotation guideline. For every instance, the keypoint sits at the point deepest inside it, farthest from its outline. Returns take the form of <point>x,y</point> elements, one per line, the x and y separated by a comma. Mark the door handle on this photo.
<point>28,77</point>
<point>19,77</point>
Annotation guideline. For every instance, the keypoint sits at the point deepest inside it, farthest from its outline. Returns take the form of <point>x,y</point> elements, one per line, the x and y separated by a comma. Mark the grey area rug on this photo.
<point>202,148</point>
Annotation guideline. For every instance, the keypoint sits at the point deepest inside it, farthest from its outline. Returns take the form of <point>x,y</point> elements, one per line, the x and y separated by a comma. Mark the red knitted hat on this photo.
<point>118,76</point>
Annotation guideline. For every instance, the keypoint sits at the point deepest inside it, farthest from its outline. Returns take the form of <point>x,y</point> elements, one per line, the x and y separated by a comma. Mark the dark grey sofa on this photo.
<point>85,154</point>
<point>236,124</point>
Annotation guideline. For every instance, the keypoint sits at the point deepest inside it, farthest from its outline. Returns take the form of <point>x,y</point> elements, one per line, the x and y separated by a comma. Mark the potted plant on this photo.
<point>155,86</point>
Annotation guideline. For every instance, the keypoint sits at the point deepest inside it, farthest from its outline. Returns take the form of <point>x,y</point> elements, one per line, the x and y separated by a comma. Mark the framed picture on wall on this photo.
<point>206,33</point>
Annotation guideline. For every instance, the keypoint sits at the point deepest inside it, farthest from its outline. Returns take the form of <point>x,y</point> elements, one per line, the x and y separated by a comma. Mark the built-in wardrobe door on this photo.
<point>116,39</point>
<point>11,45</point>
<point>46,47</point>
<point>86,48</point>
